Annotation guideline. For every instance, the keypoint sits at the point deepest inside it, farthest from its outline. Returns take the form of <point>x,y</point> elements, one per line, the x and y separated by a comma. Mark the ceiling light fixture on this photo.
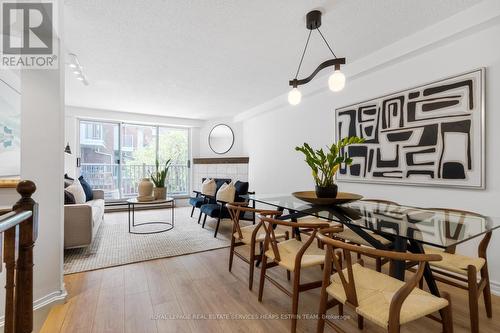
<point>336,81</point>
<point>76,68</point>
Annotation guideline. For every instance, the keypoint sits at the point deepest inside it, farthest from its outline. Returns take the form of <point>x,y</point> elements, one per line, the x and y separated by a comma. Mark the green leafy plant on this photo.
<point>160,175</point>
<point>324,165</point>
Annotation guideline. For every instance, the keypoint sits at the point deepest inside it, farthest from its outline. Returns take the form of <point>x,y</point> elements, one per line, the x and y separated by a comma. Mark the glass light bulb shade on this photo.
<point>294,96</point>
<point>336,81</point>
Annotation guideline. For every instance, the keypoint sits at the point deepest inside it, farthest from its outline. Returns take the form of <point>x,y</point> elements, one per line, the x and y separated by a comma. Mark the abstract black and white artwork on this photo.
<point>428,135</point>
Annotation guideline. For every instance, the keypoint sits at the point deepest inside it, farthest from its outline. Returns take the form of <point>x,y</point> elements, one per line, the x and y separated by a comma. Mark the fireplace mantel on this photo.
<point>221,160</point>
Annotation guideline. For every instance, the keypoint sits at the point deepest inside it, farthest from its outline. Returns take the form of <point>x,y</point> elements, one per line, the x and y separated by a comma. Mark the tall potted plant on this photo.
<point>324,165</point>
<point>159,178</point>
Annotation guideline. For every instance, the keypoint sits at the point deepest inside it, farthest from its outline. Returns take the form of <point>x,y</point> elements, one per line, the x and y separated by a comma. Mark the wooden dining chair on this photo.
<point>462,271</point>
<point>292,255</point>
<point>352,237</point>
<point>250,235</point>
<point>384,300</point>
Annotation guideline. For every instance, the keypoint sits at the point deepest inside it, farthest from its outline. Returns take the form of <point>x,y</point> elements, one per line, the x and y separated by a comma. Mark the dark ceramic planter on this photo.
<point>327,191</point>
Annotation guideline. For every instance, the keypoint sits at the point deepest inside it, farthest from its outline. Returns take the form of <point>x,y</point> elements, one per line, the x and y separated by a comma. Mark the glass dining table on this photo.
<point>407,228</point>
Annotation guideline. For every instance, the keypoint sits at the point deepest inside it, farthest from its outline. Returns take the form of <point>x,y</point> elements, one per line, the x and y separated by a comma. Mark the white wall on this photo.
<point>238,148</point>
<point>272,131</point>
<point>42,145</point>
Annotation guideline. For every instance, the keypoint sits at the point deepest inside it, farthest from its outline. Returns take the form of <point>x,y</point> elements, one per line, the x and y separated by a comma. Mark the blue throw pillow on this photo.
<point>89,195</point>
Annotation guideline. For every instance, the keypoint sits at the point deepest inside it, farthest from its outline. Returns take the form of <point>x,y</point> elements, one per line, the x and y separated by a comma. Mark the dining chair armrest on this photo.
<point>331,230</point>
<point>402,293</point>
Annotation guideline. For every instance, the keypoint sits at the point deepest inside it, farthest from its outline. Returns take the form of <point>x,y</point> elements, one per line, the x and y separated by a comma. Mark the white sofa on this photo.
<point>81,221</point>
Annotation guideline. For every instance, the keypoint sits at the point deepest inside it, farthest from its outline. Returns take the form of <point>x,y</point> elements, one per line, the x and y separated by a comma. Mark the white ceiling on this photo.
<point>208,59</point>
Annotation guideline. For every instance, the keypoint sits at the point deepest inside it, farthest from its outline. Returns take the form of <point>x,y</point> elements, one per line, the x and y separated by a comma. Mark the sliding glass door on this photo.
<point>173,143</point>
<point>135,149</point>
<point>138,156</point>
<point>100,156</point>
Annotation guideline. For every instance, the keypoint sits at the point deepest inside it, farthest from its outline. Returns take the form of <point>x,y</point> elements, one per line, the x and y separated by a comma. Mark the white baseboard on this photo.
<point>40,304</point>
<point>495,287</point>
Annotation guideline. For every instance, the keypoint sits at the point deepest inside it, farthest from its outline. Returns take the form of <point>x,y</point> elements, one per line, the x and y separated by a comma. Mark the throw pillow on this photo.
<point>208,187</point>
<point>89,195</point>
<point>77,190</point>
<point>69,199</point>
<point>67,180</point>
<point>226,193</point>
<point>241,189</point>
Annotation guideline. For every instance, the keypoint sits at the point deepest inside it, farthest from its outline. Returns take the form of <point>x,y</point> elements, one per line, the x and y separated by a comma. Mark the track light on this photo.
<point>77,69</point>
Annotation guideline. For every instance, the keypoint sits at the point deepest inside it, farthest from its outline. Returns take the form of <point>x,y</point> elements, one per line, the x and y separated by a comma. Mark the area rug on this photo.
<point>113,245</point>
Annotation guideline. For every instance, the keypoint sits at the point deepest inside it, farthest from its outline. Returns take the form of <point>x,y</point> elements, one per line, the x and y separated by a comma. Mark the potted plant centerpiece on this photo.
<point>324,165</point>
<point>159,178</point>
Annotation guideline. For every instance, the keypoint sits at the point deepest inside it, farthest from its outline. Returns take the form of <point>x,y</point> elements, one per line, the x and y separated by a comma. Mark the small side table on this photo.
<point>131,216</point>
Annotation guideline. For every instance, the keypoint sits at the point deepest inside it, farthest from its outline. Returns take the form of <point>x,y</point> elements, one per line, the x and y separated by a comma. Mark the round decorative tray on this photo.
<point>342,197</point>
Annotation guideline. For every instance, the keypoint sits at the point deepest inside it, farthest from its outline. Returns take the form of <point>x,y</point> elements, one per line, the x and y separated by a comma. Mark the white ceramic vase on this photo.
<point>145,188</point>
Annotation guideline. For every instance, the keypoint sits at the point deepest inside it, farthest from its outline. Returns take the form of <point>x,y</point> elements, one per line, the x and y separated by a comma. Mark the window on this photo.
<point>92,131</point>
<point>115,156</point>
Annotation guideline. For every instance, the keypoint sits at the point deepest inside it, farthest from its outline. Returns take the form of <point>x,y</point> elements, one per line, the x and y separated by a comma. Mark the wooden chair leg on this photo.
<point>231,253</point>
<point>322,309</point>
<point>217,227</point>
<point>192,211</point>
<point>323,294</point>
<point>473,299</point>
<point>394,328</point>
<point>447,319</point>
<point>252,266</point>
<point>378,264</point>
<point>487,291</point>
<point>361,322</point>
<point>288,275</point>
<point>262,277</point>
<point>204,220</point>
<point>295,298</point>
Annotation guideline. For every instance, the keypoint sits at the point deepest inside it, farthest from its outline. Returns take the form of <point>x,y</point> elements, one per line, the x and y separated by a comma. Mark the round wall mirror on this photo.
<point>221,139</point>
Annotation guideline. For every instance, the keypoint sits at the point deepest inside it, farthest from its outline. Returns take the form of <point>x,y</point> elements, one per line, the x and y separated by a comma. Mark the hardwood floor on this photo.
<point>180,294</point>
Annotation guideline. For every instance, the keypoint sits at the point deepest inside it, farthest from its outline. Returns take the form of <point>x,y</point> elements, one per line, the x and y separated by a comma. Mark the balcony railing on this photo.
<point>122,180</point>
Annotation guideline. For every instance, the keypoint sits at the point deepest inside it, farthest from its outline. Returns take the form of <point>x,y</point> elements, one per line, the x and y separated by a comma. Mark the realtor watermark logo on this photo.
<point>28,35</point>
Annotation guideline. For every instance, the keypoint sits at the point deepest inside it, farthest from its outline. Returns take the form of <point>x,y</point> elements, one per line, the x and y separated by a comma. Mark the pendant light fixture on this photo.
<point>336,81</point>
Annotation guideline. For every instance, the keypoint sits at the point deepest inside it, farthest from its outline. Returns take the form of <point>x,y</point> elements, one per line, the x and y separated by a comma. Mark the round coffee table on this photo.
<point>131,216</point>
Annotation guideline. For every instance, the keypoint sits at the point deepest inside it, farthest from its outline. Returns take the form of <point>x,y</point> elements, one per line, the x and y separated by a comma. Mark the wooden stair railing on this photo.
<point>19,229</point>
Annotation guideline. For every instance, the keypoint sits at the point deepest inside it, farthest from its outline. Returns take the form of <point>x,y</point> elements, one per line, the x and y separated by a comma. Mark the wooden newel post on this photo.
<point>23,320</point>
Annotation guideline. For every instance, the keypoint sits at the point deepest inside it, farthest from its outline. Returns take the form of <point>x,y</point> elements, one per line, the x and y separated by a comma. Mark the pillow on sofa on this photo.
<point>67,180</point>
<point>89,195</point>
<point>208,187</point>
<point>226,192</point>
<point>69,199</point>
<point>77,191</point>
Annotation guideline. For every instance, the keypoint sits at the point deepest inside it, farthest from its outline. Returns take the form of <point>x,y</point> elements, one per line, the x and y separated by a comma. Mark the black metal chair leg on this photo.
<point>192,211</point>
<point>199,217</point>
<point>217,227</point>
<point>204,220</point>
